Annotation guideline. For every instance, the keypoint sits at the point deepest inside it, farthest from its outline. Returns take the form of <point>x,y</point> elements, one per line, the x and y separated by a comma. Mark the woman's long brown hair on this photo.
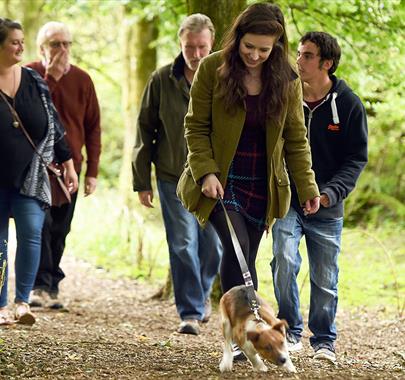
<point>262,19</point>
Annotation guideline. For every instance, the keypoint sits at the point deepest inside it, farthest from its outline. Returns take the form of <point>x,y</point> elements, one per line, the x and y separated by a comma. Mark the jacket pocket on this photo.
<point>188,191</point>
<point>280,166</point>
<point>282,177</point>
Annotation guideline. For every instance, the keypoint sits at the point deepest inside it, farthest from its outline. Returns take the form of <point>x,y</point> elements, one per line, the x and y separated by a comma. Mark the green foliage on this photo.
<point>371,35</point>
<point>97,49</point>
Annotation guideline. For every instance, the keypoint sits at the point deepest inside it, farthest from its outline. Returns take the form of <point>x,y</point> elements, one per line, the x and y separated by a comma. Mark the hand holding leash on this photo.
<point>211,187</point>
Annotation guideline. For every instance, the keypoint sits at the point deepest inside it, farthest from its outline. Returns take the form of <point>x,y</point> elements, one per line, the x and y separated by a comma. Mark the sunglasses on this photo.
<point>58,44</point>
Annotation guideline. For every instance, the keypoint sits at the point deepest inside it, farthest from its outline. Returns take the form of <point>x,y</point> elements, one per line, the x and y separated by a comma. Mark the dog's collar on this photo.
<point>258,318</point>
<point>257,315</point>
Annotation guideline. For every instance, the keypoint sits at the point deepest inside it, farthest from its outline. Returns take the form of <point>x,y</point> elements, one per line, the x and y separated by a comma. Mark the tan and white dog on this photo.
<point>265,338</point>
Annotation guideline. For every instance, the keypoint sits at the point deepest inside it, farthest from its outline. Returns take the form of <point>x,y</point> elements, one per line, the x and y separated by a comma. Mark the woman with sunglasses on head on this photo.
<point>244,125</point>
<point>24,183</point>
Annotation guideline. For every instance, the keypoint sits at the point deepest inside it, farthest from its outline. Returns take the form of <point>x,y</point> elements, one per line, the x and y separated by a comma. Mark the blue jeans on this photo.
<point>195,254</point>
<point>28,215</point>
<point>322,237</point>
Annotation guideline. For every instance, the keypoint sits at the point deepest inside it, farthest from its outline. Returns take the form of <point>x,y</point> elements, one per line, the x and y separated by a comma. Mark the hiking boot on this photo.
<point>189,326</point>
<point>237,353</point>
<point>55,303</point>
<point>325,353</point>
<point>23,314</point>
<point>294,343</point>
<point>207,310</point>
<point>38,298</point>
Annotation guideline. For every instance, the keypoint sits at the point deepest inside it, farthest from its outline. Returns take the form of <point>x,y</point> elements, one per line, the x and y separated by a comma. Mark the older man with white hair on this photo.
<point>75,99</point>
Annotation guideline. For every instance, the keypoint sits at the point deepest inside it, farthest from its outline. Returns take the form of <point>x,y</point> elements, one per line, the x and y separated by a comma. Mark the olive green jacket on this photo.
<point>212,137</point>
<point>160,127</point>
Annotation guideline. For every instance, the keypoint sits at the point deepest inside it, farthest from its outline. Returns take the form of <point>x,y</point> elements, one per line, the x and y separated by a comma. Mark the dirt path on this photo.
<point>112,330</point>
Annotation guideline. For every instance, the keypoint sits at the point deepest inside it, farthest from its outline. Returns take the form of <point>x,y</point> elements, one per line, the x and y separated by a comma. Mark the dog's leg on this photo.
<point>254,357</point>
<point>227,357</point>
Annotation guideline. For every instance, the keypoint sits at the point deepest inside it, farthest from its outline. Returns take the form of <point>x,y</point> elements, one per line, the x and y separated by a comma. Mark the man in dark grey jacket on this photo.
<point>337,132</point>
<point>194,253</point>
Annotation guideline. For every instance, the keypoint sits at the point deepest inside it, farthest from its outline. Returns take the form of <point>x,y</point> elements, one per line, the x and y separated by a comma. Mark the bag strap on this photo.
<point>15,115</point>
<point>247,277</point>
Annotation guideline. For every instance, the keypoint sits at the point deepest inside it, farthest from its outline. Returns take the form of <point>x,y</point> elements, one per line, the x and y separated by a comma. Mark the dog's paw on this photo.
<point>261,368</point>
<point>225,365</point>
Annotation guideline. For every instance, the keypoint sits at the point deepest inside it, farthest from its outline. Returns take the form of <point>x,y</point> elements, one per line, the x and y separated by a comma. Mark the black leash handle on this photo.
<point>247,277</point>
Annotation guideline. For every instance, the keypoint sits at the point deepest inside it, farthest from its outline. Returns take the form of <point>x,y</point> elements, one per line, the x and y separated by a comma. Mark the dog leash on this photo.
<point>253,303</point>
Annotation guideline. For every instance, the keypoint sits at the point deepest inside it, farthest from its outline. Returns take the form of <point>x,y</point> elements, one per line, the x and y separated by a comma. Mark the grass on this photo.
<point>131,242</point>
<point>126,242</point>
<point>371,274</point>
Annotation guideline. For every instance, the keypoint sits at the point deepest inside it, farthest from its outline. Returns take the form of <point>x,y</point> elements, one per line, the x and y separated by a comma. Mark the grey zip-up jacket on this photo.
<point>160,127</point>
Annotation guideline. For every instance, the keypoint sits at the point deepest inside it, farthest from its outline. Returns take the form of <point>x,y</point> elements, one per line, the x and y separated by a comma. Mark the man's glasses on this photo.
<point>58,44</point>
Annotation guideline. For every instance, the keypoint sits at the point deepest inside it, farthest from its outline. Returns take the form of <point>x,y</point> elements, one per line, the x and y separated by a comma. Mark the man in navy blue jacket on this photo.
<point>337,132</point>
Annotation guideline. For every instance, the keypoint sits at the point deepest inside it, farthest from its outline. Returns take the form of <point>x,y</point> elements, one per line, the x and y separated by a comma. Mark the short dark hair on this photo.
<point>328,47</point>
<point>6,25</point>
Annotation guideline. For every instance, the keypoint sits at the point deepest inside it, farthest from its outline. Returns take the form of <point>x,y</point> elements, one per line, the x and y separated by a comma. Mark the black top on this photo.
<point>16,152</point>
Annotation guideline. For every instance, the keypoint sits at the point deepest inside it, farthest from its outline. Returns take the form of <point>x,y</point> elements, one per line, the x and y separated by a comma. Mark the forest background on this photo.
<point>120,42</point>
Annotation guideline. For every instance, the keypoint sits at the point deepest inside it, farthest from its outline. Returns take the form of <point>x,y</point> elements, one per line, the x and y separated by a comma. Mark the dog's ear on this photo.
<point>252,335</point>
<point>281,326</point>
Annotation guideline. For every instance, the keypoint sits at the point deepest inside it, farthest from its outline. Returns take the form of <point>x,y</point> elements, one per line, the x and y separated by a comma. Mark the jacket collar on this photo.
<point>177,69</point>
<point>177,74</point>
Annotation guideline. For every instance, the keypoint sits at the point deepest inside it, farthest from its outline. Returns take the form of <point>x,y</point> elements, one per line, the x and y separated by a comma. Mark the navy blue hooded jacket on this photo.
<point>337,132</point>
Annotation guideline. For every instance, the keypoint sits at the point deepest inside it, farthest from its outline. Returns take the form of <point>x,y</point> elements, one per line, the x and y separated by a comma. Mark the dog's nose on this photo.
<point>282,360</point>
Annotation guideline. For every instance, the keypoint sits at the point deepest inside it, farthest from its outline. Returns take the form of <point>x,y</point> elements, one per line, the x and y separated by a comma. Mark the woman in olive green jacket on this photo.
<point>248,89</point>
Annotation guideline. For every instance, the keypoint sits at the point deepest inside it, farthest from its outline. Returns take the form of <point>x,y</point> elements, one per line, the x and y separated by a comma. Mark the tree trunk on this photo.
<point>221,12</point>
<point>139,60</point>
<point>164,292</point>
<point>30,11</point>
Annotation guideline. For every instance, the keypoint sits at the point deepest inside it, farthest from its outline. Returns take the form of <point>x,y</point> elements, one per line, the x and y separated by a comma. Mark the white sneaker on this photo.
<point>189,326</point>
<point>293,343</point>
<point>325,354</point>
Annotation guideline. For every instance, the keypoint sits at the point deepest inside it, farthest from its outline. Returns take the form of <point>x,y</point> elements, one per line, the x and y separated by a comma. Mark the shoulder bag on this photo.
<point>59,192</point>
